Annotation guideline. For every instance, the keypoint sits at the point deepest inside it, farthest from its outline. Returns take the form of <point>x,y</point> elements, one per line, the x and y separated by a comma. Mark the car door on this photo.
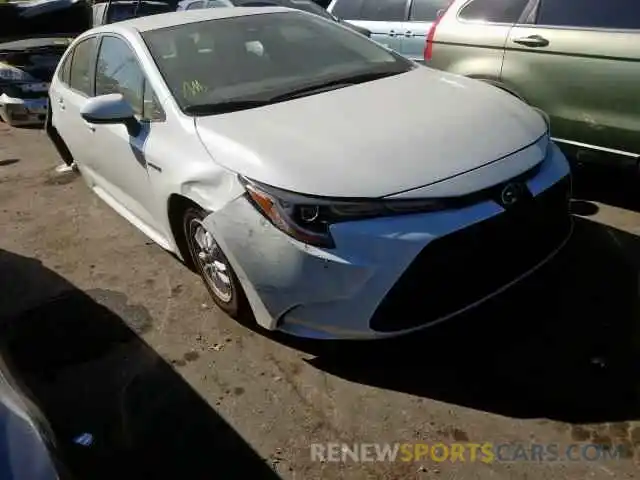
<point>470,38</point>
<point>422,14</point>
<point>120,171</point>
<point>579,60</point>
<point>383,18</point>
<point>69,94</point>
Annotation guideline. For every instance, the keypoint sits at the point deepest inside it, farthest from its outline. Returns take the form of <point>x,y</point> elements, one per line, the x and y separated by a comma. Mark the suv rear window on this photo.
<point>373,10</point>
<point>427,10</point>
<point>494,11</point>
<point>613,14</point>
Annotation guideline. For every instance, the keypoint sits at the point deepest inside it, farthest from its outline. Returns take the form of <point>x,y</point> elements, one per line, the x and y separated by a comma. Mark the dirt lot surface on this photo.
<point>116,338</point>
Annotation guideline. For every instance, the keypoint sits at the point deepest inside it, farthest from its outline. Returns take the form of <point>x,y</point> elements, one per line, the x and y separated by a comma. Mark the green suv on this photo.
<point>578,60</point>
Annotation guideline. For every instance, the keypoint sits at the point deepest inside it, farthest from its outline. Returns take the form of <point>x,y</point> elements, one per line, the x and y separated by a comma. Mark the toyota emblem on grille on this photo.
<point>510,194</point>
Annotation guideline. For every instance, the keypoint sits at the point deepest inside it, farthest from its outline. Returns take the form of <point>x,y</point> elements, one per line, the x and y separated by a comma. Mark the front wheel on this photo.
<point>212,264</point>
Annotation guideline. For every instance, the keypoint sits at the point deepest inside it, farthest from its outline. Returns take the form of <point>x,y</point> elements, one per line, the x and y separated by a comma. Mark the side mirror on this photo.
<point>110,109</point>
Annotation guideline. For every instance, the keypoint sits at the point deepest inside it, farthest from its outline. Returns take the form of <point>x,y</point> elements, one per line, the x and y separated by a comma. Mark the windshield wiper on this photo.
<point>335,84</point>
<point>224,107</point>
<point>236,105</point>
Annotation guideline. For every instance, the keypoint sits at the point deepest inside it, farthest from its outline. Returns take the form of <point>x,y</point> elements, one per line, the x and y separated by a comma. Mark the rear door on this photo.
<point>422,14</point>
<point>469,40</point>
<point>385,19</point>
<point>69,96</point>
<point>579,60</point>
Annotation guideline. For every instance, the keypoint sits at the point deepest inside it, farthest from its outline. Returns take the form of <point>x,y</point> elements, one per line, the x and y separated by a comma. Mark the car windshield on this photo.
<point>241,62</point>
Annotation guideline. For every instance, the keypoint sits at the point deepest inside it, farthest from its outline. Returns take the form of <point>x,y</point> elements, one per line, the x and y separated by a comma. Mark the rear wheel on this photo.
<point>213,265</point>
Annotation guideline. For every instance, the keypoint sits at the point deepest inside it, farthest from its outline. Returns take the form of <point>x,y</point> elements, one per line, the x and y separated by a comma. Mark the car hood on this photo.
<point>373,139</point>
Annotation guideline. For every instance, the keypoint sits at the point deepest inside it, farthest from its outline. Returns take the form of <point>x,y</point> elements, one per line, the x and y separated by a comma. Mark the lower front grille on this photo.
<point>466,266</point>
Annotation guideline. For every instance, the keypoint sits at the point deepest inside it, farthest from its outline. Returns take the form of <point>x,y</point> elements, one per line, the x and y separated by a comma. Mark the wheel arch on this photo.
<point>177,204</point>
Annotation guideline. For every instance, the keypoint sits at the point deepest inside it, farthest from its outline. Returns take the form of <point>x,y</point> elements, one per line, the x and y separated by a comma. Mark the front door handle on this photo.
<point>91,127</point>
<point>392,33</point>
<point>532,41</point>
<point>61,103</point>
<point>408,34</point>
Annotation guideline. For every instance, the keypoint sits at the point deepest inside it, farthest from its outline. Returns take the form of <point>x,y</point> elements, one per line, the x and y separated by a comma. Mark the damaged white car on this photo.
<point>314,178</point>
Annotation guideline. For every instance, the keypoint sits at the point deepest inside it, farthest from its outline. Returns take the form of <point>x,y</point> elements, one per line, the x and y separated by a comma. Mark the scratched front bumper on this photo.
<point>311,292</point>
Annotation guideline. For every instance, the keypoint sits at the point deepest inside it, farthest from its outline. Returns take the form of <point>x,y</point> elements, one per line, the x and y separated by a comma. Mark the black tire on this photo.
<point>236,304</point>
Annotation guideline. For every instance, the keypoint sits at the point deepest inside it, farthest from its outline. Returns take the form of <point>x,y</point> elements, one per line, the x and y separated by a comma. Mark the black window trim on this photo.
<point>533,10</point>
<point>526,11</point>
<point>407,11</point>
<point>146,84</point>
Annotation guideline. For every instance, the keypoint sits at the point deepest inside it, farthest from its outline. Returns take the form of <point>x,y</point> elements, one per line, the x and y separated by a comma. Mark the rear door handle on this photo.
<point>91,127</point>
<point>61,104</point>
<point>408,34</point>
<point>532,41</point>
<point>392,33</point>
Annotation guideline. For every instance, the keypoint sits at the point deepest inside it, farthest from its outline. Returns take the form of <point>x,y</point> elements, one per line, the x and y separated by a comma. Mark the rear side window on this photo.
<point>494,11</point>
<point>65,69</point>
<point>427,10</point>
<point>372,10</point>
<point>613,14</point>
<point>195,5</point>
<point>82,63</point>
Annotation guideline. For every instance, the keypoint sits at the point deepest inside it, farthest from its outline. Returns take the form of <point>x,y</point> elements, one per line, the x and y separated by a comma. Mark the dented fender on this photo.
<point>215,192</point>
<point>277,272</point>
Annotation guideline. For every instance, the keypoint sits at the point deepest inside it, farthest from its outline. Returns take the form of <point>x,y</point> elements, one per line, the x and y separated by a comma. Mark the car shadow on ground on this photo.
<point>564,344</point>
<point>91,373</point>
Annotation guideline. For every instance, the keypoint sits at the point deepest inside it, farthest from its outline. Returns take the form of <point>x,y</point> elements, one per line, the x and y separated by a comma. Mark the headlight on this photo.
<point>308,219</point>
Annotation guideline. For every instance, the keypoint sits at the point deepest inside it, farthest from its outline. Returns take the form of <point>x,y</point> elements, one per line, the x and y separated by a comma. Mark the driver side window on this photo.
<point>118,71</point>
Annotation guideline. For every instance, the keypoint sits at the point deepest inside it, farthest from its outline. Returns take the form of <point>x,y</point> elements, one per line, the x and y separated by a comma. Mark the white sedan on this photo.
<point>315,179</point>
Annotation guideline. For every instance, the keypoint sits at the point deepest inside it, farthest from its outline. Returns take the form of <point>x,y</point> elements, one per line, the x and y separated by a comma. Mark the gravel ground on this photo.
<point>116,338</point>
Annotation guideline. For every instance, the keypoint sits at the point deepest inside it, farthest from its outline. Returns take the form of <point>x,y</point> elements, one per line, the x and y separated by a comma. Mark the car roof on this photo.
<point>171,19</point>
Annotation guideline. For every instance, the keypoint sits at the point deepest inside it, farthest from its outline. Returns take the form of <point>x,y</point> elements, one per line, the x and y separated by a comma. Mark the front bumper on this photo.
<point>23,111</point>
<point>390,276</point>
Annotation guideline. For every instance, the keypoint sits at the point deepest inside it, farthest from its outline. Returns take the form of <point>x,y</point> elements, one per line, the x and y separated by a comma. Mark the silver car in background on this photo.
<point>401,25</point>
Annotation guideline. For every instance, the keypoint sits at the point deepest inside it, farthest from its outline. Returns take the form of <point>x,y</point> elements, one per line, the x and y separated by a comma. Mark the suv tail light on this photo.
<point>428,47</point>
